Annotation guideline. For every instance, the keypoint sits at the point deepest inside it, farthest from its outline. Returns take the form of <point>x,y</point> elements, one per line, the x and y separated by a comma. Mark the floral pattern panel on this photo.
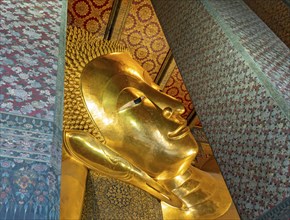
<point>30,71</point>
<point>27,190</point>
<point>29,55</point>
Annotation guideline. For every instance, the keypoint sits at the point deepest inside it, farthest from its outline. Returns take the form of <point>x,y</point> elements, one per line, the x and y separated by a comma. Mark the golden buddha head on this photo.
<point>118,122</point>
<point>133,116</point>
<point>136,119</point>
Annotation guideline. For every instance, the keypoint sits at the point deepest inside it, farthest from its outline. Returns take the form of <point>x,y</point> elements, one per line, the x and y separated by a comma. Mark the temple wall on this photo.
<point>32,37</point>
<point>237,72</point>
<point>235,68</point>
<point>275,14</point>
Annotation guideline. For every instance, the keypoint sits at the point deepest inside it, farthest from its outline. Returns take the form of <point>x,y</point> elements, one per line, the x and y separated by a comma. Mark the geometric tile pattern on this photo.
<point>263,47</point>
<point>276,14</point>
<point>280,211</point>
<point>245,126</point>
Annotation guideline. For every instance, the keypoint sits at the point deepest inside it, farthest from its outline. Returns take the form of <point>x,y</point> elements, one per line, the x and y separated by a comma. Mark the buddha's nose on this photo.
<point>172,108</point>
<point>179,108</point>
<point>175,105</point>
<point>170,105</point>
<point>174,113</point>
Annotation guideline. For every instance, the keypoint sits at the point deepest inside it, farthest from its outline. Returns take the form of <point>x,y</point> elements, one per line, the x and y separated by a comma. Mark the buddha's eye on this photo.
<point>138,100</point>
<point>132,103</point>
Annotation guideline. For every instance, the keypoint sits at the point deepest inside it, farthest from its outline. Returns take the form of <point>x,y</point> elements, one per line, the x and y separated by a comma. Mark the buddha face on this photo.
<point>137,120</point>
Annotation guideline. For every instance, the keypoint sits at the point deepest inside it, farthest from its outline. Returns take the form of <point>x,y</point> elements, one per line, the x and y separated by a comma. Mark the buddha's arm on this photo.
<point>94,155</point>
<point>73,185</point>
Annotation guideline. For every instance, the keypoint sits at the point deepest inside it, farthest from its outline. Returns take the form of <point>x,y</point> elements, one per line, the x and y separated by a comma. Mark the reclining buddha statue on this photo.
<point>118,123</point>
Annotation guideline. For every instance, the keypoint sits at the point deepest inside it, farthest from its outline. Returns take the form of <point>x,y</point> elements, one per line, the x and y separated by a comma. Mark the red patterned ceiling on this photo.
<point>92,15</point>
<point>144,36</point>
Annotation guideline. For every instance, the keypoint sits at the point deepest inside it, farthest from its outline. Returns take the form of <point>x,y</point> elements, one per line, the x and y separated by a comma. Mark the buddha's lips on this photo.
<point>180,132</point>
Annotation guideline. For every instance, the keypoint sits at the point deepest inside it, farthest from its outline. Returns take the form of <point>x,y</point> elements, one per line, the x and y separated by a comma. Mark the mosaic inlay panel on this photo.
<point>92,15</point>
<point>247,129</point>
<point>108,198</point>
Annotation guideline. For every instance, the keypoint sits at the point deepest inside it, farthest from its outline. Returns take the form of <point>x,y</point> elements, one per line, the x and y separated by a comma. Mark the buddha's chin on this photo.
<point>187,146</point>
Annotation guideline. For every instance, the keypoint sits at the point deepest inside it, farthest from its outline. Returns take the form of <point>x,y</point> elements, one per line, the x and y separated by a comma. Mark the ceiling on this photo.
<point>134,24</point>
